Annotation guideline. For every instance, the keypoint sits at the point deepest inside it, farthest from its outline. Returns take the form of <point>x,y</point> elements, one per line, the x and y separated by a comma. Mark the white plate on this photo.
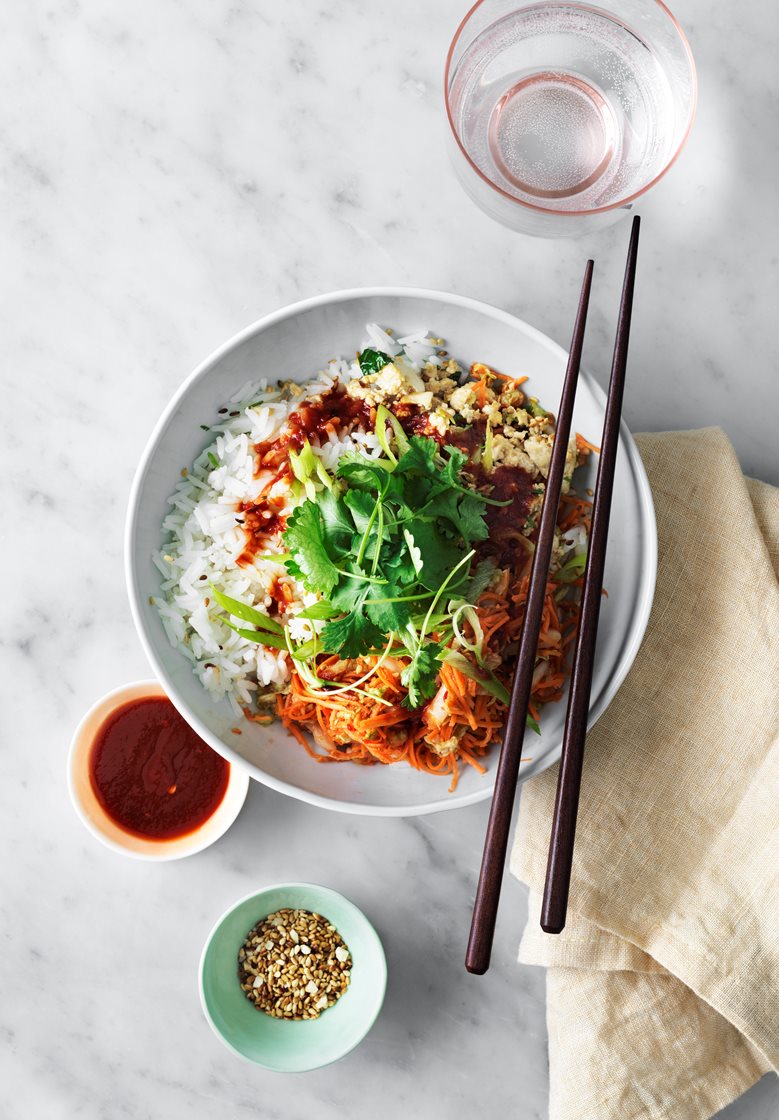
<point>294,343</point>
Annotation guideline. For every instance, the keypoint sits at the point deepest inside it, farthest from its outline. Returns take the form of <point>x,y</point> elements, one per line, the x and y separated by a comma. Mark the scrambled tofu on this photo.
<point>484,412</point>
<point>395,381</point>
<point>522,432</point>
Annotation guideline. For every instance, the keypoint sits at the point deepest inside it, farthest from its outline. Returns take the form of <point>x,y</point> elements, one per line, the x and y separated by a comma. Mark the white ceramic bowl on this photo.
<point>294,343</point>
<point>103,827</point>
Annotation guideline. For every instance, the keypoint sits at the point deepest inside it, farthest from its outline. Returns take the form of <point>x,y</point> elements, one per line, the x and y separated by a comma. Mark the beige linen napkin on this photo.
<point>662,991</point>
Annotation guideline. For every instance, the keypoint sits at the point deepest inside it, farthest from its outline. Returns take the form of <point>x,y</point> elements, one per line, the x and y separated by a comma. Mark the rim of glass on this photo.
<point>597,209</point>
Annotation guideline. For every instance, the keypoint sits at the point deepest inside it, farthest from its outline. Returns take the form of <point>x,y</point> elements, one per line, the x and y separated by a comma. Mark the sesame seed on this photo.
<point>269,967</point>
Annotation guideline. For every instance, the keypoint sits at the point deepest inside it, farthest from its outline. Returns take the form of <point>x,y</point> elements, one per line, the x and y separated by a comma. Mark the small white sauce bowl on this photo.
<point>105,828</point>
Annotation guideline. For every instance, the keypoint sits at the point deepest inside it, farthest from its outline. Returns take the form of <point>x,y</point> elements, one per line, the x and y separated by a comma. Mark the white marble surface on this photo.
<point>169,172</point>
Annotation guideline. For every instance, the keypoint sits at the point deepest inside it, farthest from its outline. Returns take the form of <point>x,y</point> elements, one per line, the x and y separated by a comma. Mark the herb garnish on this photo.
<point>386,547</point>
<point>371,361</point>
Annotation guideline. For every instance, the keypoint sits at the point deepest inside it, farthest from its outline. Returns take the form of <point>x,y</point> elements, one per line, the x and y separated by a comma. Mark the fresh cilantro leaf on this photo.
<point>420,675</point>
<point>399,570</point>
<point>371,361</point>
<point>361,507</point>
<point>420,457</point>
<point>361,472</point>
<point>351,636</point>
<point>480,579</point>
<point>349,594</point>
<point>462,513</point>
<point>304,537</point>
<point>294,568</point>
<point>441,505</point>
<point>414,554</point>
<point>456,460</point>
<point>336,521</point>
<point>387,615</point>
<point>470,518</point>
<point>438,554</point>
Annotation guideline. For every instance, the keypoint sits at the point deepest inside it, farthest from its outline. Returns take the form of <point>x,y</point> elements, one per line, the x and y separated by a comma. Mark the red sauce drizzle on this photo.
<point>152,774</point>
<point>313,421</point>
<point>261,519</point>
<point>514,485</point>
<point>506,522</point>
<point>418,424</point>
<point>336,411</point>
<point>470,439</point>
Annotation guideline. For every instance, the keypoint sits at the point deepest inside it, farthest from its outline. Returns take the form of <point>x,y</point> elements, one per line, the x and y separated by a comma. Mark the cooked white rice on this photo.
<point>203,538</point>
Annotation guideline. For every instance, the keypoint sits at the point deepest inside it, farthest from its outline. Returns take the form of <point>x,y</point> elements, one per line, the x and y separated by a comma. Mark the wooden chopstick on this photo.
<point>558,869</point>
<point>477,958</point>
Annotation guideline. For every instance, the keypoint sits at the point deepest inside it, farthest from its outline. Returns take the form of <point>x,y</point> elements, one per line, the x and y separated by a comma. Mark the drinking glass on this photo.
<point>563,114</point>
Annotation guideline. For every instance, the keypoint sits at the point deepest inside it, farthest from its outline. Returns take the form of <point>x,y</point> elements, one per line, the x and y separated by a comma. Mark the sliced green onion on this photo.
<point>486,455</point>
<point>572,568</point>
<point>213,459</point>
<point>322,475</point>
<point>382,416</point>
<point>321,611</point>
<point>488,681</point>
<point>297,466</point>
<point>276,641</point>
<point>279,557</point>
<point>319,687</point>
<point>303,463</point>
<point>533,724</point>
<point>535,409</point>
<point>440,592</point>
<point>245,612</point>
<point>306,650</point>
<point>471,615</point>
<point>401,439</point>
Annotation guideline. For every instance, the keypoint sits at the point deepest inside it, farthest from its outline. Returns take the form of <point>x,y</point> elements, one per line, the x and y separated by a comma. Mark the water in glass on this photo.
<point>564,106</point>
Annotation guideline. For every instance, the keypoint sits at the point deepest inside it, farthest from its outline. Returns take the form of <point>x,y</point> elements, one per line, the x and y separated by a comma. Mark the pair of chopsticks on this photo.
<point>558,872</point>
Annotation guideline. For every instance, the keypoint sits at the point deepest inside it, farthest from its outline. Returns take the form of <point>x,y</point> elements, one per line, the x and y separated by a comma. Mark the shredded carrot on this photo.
<point>507,377</point>
<point>357,727</point>
<point>583,444</point>
<point>462,722</point>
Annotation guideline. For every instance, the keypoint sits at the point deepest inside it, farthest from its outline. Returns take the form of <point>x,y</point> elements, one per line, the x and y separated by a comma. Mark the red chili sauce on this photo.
<point>507,523</point>
<point>514,485</point>
<point>313,422</point>
<point>261,519</point>
<point>152,774</point>
<point>336,410</point>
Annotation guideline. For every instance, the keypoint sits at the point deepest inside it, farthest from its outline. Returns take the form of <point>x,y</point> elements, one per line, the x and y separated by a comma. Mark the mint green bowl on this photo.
<point>285,1045</point>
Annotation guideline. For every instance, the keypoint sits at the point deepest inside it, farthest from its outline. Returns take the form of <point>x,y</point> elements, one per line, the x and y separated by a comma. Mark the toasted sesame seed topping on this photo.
<point>269,965</point>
